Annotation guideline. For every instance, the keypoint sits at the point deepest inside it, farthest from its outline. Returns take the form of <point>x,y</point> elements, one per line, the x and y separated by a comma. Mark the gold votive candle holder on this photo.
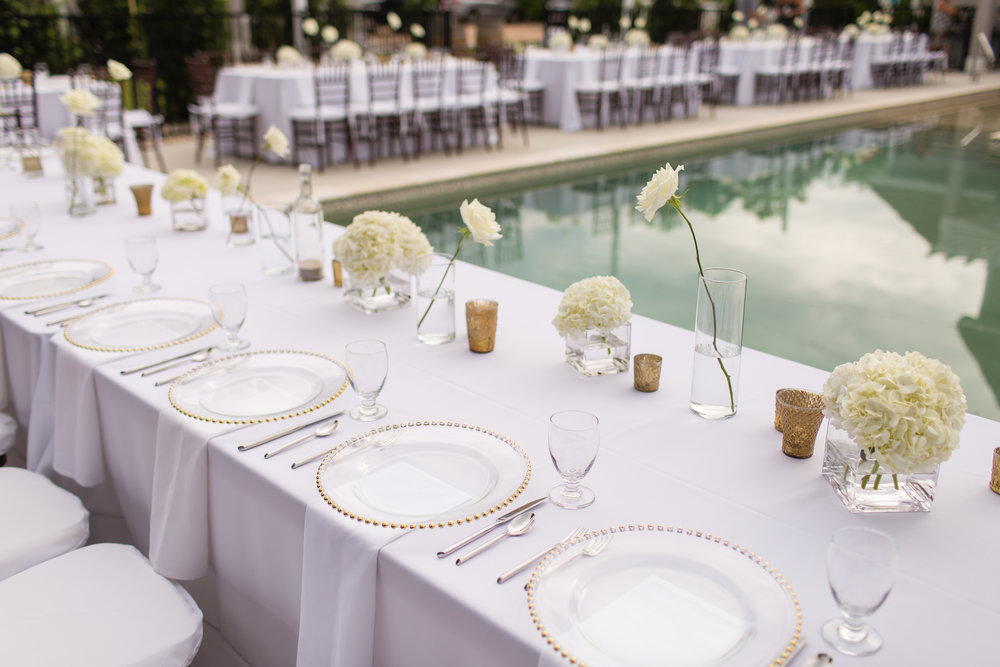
<point>143,194</point>
<point>777,410</point>
<point>481,322</point>
<point>338,273</point>
<point>801,414</point>
<point>646,371</point>
<point>995,479</point>
<point>31,165</point>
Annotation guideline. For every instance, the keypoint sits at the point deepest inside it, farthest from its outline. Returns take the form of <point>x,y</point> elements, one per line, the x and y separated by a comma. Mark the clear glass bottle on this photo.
<point>307,219</point>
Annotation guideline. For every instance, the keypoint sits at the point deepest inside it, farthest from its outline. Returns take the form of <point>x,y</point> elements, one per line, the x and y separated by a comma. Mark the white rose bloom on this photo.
<point>118,71</point>
<point>287,55</point>
<point>416,51</point>
<point>601,303</point>
<point>80,102</point>
<point>585,25</point>
<point>276,140</point>
<point>739,33</point>
<point>418,31</point>
<point>560,41</point>
<point>227,179</point>
<point>624,23</point>
<point>330,34</point>
<point>573,23</point>
<point>184,184</point>
<point>658,191</point>
<point>753,23</point>
<point>9,67</point>
<point>640,22</point>
<point>345,49</point>
<point>761,11</point>
<point>738,16</point>
<point>310,26</point>
<point>598,42</point>
<point>798,22</point>
<point>481,221</point>
<point>392,18</point>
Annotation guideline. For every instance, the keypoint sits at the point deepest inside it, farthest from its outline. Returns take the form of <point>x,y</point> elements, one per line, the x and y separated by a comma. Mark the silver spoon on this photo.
<point>818,660</point>
<point>198,357</point>
<point>519,526</point>
<point>321,431</point>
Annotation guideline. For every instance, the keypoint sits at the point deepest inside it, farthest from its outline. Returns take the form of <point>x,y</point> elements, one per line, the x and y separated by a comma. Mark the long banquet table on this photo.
<point>284,579</point>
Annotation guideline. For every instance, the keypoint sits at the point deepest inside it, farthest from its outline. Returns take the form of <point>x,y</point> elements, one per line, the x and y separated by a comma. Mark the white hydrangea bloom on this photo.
<point>601,303</point>
<point>184,184</point>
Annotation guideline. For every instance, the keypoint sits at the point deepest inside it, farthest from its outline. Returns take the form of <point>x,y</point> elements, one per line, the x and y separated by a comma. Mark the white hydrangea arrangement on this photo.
<point>777,31</point>
<point>288,55</point>
<point>601,302</point>
<point>417,31</point>
<point>416,51</point>
<point>560,41</point>
<point>739,33</point>
<point>346,50</point>
<point>9,67</point>
<point>637,37</point>
<point>184,185</point>
<point>88,154</point>
<point>330,34</point>
<point>80,102</point>
<point>378,241</point>
<point>393,20</point>
<point>598,42</point>
<point>904,411</point>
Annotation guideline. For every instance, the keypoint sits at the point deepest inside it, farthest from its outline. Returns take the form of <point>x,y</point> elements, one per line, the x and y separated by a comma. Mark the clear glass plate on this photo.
<point>51,278</point>
<point>9,227</point>
<point>421,473</point>
<point>142,324</point>
<point>664,596</point>
<point>258,386</point>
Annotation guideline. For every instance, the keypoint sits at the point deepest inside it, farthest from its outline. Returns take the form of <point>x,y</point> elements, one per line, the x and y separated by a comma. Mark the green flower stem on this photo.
<point>676,203</point>
<point>451,262</point>
<point>263,213</point>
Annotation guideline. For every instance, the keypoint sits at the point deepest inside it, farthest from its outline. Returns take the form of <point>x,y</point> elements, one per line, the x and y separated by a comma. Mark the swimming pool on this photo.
<point>881,235</point>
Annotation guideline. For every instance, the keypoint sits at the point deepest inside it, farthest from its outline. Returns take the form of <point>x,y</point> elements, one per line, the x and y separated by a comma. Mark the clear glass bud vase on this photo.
<point>718,343</point>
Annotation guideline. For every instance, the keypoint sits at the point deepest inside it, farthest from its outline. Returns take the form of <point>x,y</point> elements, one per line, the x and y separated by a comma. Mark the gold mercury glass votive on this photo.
<point>481,321</point>
<point>646,371</point>
<point>777,410</point>
<point>801,414</point>
<point>143,194</point>
<point>995,480</point>
<point>338,273</point>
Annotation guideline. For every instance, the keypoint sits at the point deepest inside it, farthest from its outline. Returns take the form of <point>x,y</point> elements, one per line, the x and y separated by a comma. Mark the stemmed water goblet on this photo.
<point>27,213</point>
<point>143,256</point>
<point>573,443</point>
<point>861,567</point>
<point>367,367</point>
<point>229,307</point>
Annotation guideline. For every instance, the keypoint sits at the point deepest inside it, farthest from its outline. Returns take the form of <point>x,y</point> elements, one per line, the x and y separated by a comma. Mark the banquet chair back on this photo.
<point>842,65</point>
<point>433,111</point>
<point>514,75</point>
<point>40,521</point>
<point>98,605</point>
<point>590,95</point>
<point>384,121</point>
<point>226,123</point>
<point>774,80</point>
<point>478,110</point>
<point>20,105</point>
<point>681,81</point>
<point>641,89</point>
<point>329,119</point>
<point>109,118</point>
<point>142,119</point>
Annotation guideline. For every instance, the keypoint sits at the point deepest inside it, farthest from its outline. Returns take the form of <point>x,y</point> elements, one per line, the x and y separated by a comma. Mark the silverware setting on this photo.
<point>499,521</point>
<point>224,367</point>
<point>594,547</point>
<point>66,320</point>
<point>520,567</point>
<point>291,429</point>
<point>79,303</point>
<point>348,452</point>
<point>161,362</point>
<point>197,357</point>
<point>519,526</point>
<point>321,431</point>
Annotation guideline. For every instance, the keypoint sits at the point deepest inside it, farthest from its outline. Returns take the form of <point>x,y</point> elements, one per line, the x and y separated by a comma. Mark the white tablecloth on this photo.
<point>288,579</point>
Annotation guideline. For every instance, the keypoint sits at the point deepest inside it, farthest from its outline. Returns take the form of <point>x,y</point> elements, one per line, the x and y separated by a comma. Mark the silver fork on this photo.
<point>595,546</point>
<point>520,567</point>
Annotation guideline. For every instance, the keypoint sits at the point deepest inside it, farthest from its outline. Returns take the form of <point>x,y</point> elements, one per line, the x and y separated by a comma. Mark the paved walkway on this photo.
<point>551,148</point>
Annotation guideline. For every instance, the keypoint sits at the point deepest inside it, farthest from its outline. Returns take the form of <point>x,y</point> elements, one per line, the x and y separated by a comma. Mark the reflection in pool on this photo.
<point>877,236</point>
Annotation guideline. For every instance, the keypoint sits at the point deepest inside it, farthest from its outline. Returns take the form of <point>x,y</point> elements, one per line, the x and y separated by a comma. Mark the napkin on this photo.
<point>402,484</point>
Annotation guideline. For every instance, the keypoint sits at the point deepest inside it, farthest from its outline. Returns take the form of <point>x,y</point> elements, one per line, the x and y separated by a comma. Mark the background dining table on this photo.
<point>283,578</point>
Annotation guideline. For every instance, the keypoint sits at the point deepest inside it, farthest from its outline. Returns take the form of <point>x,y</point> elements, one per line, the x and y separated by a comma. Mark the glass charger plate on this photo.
<point>423,474</point>
<point>51,278</point>
<point>259,386</point>
<point>664,596</point>
<point>141,324</point>
<point>9,227</point>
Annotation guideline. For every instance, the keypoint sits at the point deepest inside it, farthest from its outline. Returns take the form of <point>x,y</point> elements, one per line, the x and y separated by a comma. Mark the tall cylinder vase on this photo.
<point>80,194</point>
<point>718,343</point>
<point>435,302</point>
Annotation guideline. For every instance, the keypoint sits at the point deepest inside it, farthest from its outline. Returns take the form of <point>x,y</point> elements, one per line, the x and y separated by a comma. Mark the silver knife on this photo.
<point>280,434</point>
<point>500,520</point>
<point>520,567</point>
<point>45,310</point>
<point>162,362</point>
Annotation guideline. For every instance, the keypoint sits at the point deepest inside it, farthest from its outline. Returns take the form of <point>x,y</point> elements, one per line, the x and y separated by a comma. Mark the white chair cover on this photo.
<point>99,605</point>
<point>38,520</point>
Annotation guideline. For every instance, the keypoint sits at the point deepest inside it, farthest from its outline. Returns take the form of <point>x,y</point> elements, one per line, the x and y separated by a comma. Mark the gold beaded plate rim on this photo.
<point>440,522</point>
<point>320,401</point>
<point>71,336</point>
<point>783,655</point>
<point>18,223</point>
<point>71,290</point>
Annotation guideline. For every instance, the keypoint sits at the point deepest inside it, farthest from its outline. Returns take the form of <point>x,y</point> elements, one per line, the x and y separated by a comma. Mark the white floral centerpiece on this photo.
<point>777,31</point>
<point>373,246</point>
<point>91,161</point>
<point>739,33</point>
<point>637,37</point>
<point>594,316</point>
<point>310,27</point>
<point>330,34</point>
<point>895,416</point>
<point>186,190</point>
<point>560,41</point>
<point>9,67</point>
<point>288,56</point>
<point>118,71</point>
<point>74,149</point>
<point>597,42</point>
<point>584,25</point>
<point>417,31</point>
<point>346,50</point>
<point>416,51</point>
<point>393,20</point>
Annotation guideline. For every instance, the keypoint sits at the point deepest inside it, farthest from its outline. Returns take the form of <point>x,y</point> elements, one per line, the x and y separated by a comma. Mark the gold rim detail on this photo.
<point>67,331</point>
<point>48,295</point>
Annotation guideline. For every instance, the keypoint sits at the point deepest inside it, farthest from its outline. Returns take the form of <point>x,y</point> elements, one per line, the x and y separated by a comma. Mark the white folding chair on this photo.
<point>98,605</point>
<point>38,520</point>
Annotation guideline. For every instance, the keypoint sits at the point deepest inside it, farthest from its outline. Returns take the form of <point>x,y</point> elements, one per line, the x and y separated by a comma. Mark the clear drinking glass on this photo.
<point>861,568</point>
<point>367,367</point>
<point>573,443</point>
<point>143,256</point>
<point>229,307</point>
<point>27,212</point>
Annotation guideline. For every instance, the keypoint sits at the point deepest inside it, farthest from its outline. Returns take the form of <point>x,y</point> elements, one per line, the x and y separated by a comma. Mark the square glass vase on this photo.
<point>595,352</point>
<point>864,489</point>
<point>392,292</point>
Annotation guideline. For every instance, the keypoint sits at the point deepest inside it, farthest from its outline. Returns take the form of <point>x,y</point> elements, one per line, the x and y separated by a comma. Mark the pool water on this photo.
<point>881,235</point>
